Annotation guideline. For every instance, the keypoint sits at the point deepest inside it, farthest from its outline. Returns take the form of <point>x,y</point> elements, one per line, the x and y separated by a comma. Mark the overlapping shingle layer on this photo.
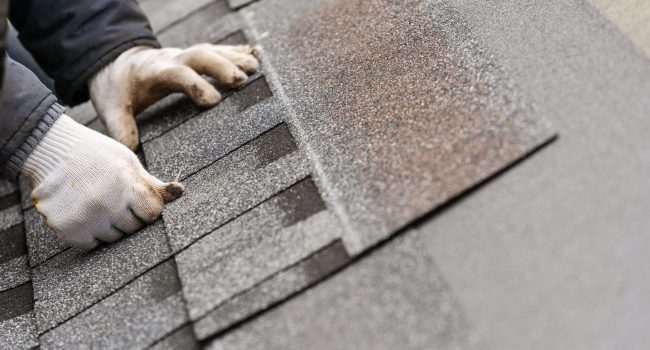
<point>365,116</point>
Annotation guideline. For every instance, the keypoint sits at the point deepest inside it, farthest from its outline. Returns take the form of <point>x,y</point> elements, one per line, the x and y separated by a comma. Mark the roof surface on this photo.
<point>339,199</point>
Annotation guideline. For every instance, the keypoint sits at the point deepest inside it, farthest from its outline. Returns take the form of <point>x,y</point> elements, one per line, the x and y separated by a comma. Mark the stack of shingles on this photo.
<point>17,328</point>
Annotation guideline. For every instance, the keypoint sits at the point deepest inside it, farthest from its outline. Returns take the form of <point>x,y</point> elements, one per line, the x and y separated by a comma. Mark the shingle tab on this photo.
<point>162,13</point>
<point>10,217</point>
<point>178,108</point>
<point>208,137</point>
<point>41,240</point>
<point>233,185</point>
<point>7,187</point>
<point>134,317</point>
<point>19,332</point>
<point>276,288</point>
<point>211,24</point>
<point>393,298</point>
<point>16,301</point>
<point>73,280</point>
<point>14,272</point>
<point>393,98</point>
<point>251,248</point>
<point>182,339</point>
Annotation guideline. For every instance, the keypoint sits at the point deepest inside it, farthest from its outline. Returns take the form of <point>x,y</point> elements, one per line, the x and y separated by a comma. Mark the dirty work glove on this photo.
<point>91,188</point>
<point>142,75</point>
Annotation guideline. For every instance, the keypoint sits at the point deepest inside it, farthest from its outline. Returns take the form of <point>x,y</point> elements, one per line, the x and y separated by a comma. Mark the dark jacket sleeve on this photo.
<point>28,111</point>
<point>73,39</point>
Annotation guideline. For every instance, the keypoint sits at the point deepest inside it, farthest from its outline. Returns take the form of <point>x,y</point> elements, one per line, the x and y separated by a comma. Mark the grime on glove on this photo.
<point>142,75</point>
<point>91,188</point>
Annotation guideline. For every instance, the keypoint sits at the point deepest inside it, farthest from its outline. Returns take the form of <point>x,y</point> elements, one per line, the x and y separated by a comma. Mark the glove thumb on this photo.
<point>121,126</point>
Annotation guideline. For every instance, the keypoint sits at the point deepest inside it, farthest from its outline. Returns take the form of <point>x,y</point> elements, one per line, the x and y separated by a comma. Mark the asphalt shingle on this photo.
<point>162,13</point>
<point>83,113</point>
<point>19,332</point>
<point>177,108</point>
<point>211,24</point>
<point>182,339</point>
<point>208,137</point>
<point>393,97</point>
<point>10,216</point>
<point>73,280</point>
<point>42,242</point>
<point>7,187</point>
<point>392,298</point>
<point>13,258</point>
<point>134,317</point>
<point>272,290</point>
<point>234,184</point>
<point>275,235</point>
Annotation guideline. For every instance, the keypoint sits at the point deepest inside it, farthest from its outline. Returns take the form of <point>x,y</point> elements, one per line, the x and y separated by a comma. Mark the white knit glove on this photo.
<point>142,75</point>
<point>91,188</point>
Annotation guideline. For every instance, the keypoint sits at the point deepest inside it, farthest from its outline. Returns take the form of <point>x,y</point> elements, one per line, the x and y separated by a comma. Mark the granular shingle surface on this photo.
<point>365,117</point>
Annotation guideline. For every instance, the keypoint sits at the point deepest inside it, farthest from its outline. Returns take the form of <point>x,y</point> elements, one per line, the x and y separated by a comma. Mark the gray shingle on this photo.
<point>97,125</point>
<point>14,272</point>
<point>16,301</point>
<point>72,281</point>
<point>10,216</point>
<point>177,108</point>
<point>25,187</point>
<point>393,98</point>
<point>134,317</point>
<point>182,339</point>
<point>253,247</point>
<point>276,288</point>
<point>19,332</point>
<point>208,137</point>
<point>162,13</point>
<point>13,258</point>
<point>235,183</point>
<point>41,240</point>
<point>211,24</point>
<point>7,187</point>
<point>392,298</point>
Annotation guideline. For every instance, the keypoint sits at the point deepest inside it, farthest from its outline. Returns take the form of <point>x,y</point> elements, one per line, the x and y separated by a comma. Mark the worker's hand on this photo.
<point>92,188</point>
<point>143,75</point>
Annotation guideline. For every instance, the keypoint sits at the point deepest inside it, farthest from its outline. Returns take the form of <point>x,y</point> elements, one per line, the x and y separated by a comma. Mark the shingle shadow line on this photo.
<point>171,256</point>
<point>183,178</point>
<point>280,301</point>
<point>254,286</point>
<point>194,115</point>
<point>16,286</point>
<point>49,258</point>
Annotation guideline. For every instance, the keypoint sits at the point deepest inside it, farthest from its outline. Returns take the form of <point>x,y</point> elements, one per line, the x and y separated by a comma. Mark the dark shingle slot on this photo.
<point>12,243</point>
<point>299,202</point>
<point>16,301</point>
<point>10,199</point>
<point>181,339</point>
<point>236,38</point>
<point>273,145</point>
<point>252,94</point>
<point>273,290</point>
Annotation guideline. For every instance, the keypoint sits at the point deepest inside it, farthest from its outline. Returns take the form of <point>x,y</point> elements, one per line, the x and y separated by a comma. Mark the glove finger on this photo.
<point>148,203</point>
<point>121,126</point>
<point>128,222</point>
<point>244,61</point>
<point>108,234</point>
<point>245,49</point>
<point>184,79</point>
<point>216,66</point>
<point>81,240</point>
<point>169,191</point>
